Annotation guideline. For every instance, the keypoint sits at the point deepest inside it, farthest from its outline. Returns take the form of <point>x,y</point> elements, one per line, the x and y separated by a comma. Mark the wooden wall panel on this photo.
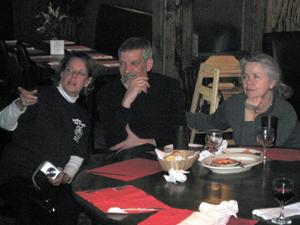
<point>172,36</point>
<point>282,15</point>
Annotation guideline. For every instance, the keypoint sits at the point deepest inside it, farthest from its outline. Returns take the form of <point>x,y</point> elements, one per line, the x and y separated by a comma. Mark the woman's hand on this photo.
<point>62,178</point>
<point>251,106</point>
<point>254,103</point>
<point>27,98</point>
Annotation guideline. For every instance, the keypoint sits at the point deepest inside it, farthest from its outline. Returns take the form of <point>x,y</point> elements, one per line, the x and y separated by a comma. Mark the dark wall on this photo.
<point>92,9</point>
<point>218,25</point>
<point>6,19</point>
<point>25,23</point>
<point>214,21</point>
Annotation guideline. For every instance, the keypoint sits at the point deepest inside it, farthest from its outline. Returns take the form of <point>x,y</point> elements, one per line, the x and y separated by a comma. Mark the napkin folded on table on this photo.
<point>270,213</point>
<point>206,153</point>
<point>176,175</point>
<point>211,214</point>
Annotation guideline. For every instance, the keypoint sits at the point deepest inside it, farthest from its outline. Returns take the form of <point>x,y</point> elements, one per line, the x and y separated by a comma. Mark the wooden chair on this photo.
<point>203,93</point>
<point>209,94</point>
<point>230,74</point>
<point>30,76</point>
<point>14,71</point>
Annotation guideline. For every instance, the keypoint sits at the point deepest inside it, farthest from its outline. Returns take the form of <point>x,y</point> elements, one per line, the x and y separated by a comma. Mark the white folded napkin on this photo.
<point>206,153</point>
<point>176,175</point>
<point>213,214</point>
<point>270,213</point>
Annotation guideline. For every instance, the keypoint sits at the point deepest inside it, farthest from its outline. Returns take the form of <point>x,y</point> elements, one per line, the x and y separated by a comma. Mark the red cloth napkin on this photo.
<point>113,63</point>
<point>280,153</point>
<point>130,197</point>
<point>173,216</point>
<point>135,168</point>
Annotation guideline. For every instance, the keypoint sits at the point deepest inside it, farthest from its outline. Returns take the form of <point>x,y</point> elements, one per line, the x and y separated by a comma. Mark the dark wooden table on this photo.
<point>251,189</point>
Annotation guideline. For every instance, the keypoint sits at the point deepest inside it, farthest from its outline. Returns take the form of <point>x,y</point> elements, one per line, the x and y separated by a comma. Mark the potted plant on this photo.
<point>63,19</point>
<point>52,22</point>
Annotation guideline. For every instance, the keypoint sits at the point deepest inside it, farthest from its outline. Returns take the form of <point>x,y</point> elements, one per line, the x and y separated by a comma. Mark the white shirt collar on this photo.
<point>65,95</point>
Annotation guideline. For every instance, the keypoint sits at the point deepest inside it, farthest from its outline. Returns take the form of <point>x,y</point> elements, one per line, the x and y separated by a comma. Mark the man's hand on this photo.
<point>131,141</point>
<point>135,88</point>
<point>27,98</point>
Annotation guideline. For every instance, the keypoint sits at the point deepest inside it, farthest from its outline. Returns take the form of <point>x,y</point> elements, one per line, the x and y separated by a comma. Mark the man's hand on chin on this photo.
<point>131,141</point>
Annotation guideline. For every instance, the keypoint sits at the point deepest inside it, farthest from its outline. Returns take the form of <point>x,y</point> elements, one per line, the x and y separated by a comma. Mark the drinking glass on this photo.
<point>265,136</point>
<point>213,139</point>
<point>283,191</point>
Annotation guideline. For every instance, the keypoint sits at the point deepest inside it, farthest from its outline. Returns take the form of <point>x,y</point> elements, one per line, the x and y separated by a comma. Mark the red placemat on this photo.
<point>240,221</point>
<point>130,197</point>
<point>113,63</point>
<point>173,216</point>
<point>170,216</point>
<point>66,42</point>
<point>77,48</point>
<point>280,153</point>
<point>130,169</point>
<point>44,58</point>
<point>101,56</point>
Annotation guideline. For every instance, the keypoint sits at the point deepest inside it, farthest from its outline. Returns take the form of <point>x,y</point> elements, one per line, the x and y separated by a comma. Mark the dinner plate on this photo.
<point>191,147</point>
<point>247,160</point>
<point>242,150</point>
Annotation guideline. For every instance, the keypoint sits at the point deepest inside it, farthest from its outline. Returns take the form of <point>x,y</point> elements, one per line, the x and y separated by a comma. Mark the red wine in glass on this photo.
<point>283,191</point>
<point>283,195</point>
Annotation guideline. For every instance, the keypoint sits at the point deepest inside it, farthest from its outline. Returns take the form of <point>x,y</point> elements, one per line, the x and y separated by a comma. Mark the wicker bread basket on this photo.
<point>180,164</point>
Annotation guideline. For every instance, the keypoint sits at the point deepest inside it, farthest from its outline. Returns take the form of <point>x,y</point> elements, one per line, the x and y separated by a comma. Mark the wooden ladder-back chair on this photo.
<point>203,93</point>
<point>230,79</point>
<point>230,74</point>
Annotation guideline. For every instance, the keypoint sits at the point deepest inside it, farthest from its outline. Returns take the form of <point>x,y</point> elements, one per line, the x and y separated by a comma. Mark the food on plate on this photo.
<point>224,161</point>
<point>173,156</point>
<point>246,151</point>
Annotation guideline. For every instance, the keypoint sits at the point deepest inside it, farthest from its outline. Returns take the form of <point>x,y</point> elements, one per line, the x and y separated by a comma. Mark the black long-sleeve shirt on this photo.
<point>154,115</point>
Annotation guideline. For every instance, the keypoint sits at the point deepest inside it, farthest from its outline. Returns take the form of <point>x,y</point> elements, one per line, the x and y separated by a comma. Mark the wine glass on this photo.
<point>265,136</point>
<point>213,139</point>
<point>283,191</point>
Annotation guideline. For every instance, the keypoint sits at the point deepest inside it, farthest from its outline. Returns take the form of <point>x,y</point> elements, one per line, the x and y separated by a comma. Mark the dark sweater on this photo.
<point>53,130</point>
<point>152,115</point>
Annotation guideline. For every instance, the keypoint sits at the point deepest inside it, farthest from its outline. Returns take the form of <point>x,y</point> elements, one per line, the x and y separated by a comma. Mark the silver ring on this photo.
<point>27,101</point>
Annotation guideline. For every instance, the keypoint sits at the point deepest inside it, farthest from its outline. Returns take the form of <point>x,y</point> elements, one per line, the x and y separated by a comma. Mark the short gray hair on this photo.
<point>135,43</point>
<point>272,69</point>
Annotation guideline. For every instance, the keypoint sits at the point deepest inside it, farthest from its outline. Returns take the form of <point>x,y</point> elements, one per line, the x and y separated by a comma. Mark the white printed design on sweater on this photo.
<point>78,130</point>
